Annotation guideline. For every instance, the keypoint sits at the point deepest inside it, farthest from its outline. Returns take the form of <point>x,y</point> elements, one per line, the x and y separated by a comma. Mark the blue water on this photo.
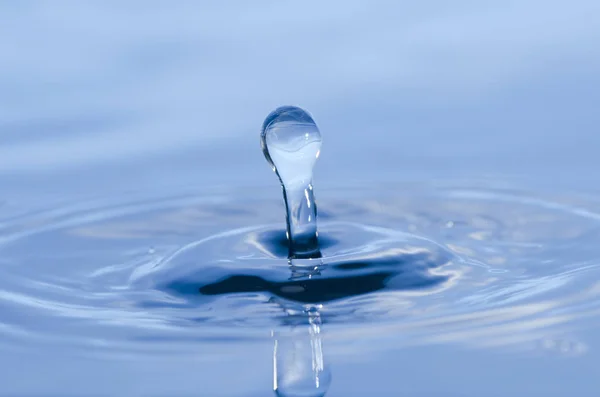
<point>460,139</point>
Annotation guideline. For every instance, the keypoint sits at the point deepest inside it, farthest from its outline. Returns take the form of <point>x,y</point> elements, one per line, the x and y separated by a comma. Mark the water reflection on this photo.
<point>299,367</point>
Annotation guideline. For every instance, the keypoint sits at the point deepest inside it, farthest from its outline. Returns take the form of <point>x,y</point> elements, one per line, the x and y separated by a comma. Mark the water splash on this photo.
<point>291,143</point>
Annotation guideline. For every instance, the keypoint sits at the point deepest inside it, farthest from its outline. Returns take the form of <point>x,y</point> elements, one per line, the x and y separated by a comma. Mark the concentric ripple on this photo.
<point>363,260</point>
<point>439,264</point>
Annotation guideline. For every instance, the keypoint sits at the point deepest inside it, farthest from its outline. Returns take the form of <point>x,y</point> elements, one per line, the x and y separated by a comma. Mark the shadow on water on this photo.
<point>325,288</point>
<point>333,279</point>
<point>306,291</point>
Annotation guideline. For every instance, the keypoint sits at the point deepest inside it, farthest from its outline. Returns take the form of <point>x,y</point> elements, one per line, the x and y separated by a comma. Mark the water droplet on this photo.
<point>291,143</point>
<point>299,368</point>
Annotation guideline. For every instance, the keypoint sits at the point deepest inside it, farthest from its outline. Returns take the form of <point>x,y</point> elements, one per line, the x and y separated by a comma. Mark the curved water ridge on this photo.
<point>438,265</point>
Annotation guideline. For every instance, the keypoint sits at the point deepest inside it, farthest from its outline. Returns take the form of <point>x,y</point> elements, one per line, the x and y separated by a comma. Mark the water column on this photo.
<point>291,143</point>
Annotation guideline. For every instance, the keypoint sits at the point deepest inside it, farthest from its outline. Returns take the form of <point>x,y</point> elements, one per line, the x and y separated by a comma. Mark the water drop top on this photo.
<point>291,142</point>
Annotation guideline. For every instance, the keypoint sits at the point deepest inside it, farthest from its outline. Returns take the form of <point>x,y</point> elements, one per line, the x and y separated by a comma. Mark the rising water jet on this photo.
<point>291,143</point>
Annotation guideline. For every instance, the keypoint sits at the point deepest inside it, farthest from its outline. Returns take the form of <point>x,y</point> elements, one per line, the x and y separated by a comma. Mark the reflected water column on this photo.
<point>298,366</point>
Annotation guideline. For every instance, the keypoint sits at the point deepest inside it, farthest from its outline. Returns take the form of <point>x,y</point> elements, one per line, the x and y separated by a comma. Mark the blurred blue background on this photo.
<point>137,93</point>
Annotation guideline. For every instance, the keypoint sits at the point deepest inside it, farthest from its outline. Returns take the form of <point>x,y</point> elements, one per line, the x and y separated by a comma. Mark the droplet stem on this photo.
<point>301,220</point>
